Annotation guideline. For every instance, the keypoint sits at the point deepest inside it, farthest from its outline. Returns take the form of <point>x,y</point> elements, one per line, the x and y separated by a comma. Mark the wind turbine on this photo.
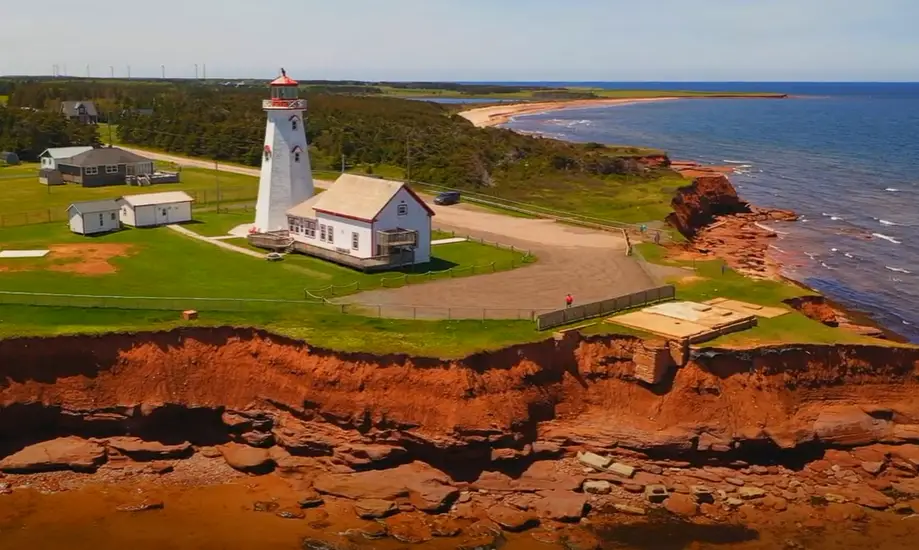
<point>111,69</point>
<point>196,71</point>
<point>163,71</point>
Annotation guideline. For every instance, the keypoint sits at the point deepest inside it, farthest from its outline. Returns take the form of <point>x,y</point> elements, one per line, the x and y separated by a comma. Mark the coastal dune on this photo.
<point>500,114</point>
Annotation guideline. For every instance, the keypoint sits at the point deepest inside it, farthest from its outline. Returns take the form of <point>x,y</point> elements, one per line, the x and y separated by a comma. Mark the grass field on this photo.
<point>161,263</point>
<point>24,200</point>
<point>4,99</point>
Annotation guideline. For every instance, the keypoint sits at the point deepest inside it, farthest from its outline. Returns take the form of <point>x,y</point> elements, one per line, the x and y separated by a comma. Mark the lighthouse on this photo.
<point>286,178</point>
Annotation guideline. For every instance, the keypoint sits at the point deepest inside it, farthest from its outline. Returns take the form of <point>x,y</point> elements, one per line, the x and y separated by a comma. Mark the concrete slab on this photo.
<point>241,230</point>
<point>766,312</point>
<point>451,240</point>
<point>661,325</point>
<point>690,321</point>
<point>700,314</point>
<point>24,253</point>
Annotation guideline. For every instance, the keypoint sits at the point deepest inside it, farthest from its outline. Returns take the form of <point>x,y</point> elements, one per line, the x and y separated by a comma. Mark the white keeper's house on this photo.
<point>374,220</point>
<point>362,222</point>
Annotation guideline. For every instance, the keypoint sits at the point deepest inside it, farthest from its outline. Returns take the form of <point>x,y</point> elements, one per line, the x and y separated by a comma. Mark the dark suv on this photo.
<point>447,198</point>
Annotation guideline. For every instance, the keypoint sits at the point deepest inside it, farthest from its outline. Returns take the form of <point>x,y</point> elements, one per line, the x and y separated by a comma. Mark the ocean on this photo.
<point>843,156</point>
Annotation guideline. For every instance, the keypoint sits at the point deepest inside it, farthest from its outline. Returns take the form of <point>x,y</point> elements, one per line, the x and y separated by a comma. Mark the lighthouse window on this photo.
<point>297,155</point>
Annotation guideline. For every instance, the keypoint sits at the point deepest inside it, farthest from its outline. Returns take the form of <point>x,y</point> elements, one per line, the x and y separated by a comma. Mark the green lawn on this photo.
<point>162,263</point>
<point>24,200</point>
<point>4,99</point>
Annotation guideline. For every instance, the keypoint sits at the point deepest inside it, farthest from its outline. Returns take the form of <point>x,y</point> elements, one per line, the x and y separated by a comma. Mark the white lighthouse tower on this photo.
<point>286,179</point>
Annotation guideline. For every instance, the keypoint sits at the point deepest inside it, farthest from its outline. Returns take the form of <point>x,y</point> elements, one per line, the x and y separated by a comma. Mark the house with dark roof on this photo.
<point>104,166</point>
<point>91,217</point>
<point>81,111</point>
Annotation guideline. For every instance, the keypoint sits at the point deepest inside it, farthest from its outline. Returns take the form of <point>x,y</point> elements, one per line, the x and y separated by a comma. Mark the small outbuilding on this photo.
<point>8,157</point>
<point>91,217</point>
<point>50,157</point>
<point>154,209</point>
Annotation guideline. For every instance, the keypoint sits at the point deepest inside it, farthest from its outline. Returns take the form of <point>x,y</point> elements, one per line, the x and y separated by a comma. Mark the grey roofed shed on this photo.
<point>92,207</point>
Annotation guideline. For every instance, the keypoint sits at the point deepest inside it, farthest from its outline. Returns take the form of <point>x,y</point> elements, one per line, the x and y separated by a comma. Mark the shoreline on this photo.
<point>496,115</point>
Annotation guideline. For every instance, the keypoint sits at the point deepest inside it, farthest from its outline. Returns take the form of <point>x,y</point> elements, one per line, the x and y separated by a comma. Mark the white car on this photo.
<point>274,257</point>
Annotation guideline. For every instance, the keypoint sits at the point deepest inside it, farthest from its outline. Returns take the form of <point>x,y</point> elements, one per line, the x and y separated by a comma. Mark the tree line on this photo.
<point>27,132</point>
<point>425,140</point>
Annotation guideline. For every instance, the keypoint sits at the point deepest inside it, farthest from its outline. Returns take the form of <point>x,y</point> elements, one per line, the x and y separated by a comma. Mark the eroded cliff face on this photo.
<point>544,400</point>
<point>698,204</point>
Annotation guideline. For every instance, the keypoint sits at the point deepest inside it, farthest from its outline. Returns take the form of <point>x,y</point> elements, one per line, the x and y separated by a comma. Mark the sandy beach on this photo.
<point>500,114</point>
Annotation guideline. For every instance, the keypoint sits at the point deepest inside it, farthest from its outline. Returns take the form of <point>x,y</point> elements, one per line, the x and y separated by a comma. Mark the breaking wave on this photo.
<point>885,237</point>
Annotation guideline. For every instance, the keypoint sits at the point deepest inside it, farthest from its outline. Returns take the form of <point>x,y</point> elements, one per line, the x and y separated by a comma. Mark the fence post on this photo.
<point>49,215</point>
<point>379,311</point>
<point>342,308</point>
<point>493,268</point>
<point>414,312</point>
<point>449,313</point>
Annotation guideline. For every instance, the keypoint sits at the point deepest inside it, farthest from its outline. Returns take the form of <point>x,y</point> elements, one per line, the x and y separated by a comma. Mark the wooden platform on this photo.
<point>748,308</point>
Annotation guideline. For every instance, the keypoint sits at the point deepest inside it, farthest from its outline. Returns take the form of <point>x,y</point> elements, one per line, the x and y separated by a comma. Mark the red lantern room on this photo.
<point>284,92</point>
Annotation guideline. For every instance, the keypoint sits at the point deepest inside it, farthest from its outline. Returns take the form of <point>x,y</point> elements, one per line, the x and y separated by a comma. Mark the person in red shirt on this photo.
<point>569,300</point>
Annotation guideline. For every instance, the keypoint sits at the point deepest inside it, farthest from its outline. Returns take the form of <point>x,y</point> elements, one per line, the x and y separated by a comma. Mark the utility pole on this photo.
<point>205,71</point>
<point>196,71</point>
<point>87,71</point>
<point>163,71</point>
<point>342,163</point>
<point>408,159</point>
<point>217,179</point>
<point>129,72</point>
<point>65,69</point>
<point>111,69</point>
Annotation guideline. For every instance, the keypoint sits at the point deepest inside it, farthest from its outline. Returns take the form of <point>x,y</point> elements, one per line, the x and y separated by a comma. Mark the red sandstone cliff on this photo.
<point>700,203</point>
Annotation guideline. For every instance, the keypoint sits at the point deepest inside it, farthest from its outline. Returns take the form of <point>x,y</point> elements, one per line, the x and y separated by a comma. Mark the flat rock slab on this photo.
<point>681,505</point>
<point>427,488</point>
<point>66,453</point>
<point>512,519</point>
<point>561,505</point>
<point>140,450</point>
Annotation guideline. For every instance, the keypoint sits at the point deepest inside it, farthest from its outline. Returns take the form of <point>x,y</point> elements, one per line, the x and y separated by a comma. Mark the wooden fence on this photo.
<point>574,314</point>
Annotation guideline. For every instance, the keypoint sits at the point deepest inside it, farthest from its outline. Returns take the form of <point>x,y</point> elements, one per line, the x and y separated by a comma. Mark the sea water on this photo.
<point>843,156</point>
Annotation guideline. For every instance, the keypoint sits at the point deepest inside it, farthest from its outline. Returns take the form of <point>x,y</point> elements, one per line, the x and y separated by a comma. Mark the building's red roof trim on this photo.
<point>284,80</point>
<point>419,199</point>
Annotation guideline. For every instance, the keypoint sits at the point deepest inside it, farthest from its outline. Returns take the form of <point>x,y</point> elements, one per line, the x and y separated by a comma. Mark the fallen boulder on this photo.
<point>247,459</point>
<point>65,453</point>
<point>373,508</point>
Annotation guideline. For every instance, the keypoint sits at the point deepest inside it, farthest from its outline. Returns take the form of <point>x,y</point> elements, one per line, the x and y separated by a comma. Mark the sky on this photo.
<point>469,40</point>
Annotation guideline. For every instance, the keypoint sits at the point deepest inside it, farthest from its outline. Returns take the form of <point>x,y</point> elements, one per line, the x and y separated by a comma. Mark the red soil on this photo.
<point>82,259</point>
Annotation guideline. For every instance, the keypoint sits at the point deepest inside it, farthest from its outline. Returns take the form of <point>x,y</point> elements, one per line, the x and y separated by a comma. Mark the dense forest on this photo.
<point>28,132</point>
<point>425,140</point>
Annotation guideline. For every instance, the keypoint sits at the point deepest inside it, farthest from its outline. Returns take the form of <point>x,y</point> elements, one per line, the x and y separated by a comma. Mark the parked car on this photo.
<point>447,198</point>
<point>274,257</point>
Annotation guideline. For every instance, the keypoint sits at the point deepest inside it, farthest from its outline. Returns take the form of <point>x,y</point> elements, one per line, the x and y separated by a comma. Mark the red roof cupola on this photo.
<point>284,80</point>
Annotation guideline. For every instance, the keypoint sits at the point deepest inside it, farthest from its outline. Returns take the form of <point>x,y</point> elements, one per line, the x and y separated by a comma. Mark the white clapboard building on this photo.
<point>152,209</point>
<point>92,217</point>
<point>364,218</point>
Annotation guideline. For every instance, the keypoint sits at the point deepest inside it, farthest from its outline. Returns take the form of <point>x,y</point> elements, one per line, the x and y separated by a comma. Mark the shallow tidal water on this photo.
<point>222,517</point>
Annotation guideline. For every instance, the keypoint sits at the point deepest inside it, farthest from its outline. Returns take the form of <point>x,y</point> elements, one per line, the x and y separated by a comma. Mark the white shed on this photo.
<point>91,217</point>
<point>365,217</point>
<point>152,209</point>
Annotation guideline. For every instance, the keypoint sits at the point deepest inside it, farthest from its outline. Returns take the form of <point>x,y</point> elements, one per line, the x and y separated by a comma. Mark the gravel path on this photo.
<point>216,242</point>
<point>589,264</point>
